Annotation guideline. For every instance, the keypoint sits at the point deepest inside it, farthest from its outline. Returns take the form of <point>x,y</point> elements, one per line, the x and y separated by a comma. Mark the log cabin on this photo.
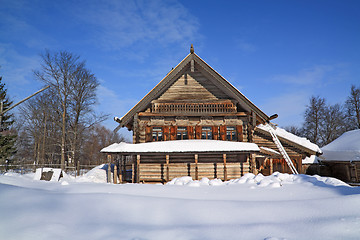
<point>193,105</point>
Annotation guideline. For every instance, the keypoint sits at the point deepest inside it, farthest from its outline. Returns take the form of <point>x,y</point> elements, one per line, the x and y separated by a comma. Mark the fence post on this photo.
<point>225,170</point>
<point>78,168</point>
<point>109,169</point>
<point>115,174</point>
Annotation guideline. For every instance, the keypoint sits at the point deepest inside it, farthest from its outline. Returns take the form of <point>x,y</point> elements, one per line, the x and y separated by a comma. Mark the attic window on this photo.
<point>185,81</point>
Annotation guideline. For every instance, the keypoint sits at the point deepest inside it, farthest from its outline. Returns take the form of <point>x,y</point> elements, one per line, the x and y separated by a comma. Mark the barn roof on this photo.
<point>175,73</point>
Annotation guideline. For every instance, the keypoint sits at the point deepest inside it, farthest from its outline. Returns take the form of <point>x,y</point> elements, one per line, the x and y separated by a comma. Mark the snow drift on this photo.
<point>280,206</point>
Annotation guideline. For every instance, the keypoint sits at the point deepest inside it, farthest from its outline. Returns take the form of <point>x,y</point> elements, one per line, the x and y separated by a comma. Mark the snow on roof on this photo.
<point>344,148</point>
<point>182,146</point>
<point>310,160</point>
<point>272,151</point>
<point>293,138</point>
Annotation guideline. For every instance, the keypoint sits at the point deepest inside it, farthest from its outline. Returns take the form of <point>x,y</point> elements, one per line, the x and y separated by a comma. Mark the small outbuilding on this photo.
<point>342,157</point>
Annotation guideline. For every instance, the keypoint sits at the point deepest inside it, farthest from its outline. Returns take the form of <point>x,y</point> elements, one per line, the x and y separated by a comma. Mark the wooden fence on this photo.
<point>28,168</point>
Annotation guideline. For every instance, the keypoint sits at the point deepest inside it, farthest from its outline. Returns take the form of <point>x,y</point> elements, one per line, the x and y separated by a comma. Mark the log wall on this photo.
<point>157,168</point>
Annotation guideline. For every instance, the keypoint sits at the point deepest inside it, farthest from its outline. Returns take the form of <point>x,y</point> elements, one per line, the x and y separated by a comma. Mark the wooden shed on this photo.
<point>342,157</point>
<point>194,102</point>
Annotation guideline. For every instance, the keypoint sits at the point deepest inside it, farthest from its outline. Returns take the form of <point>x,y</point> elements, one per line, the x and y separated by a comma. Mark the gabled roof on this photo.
<point>175,73</point>
<point>344,148</point>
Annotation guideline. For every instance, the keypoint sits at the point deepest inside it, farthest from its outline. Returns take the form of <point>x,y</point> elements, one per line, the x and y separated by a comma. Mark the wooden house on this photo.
<point>190,103</point>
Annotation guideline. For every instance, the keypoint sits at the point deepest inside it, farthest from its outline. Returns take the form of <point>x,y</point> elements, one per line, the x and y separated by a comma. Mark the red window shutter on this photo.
<point>190,130</point>
<point>166,133</point>
<point>215,132</point>
<point>173,132</point>
<point>222,133</point>
<point>198,132</point>
<point>148,134</point>
<point>239,132</point>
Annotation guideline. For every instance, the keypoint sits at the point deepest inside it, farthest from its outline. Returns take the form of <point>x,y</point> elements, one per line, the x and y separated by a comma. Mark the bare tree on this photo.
<point>81,113</point>
<point>332,125</point>
<point>314,114</point>
<point>294,130</point>
<point>73,94</point>
<point>98,138</point>
<point>353,107</point>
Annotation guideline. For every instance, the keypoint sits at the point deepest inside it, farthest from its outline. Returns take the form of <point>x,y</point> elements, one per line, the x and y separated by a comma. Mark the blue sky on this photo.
<point>277,53</point>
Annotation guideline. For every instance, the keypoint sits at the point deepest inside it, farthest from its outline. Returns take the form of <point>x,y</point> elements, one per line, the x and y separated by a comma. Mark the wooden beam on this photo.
<point>137,168</point>
<point>253,164</point>
<point>356,173</point>
<point>271,166</point>
<point>225,170</point>
<point>196,167</point>
<point>109,168</point>
<point>132,173</point>
<point>152,114</point>
<point>115,174</point>
<point>167,168</point>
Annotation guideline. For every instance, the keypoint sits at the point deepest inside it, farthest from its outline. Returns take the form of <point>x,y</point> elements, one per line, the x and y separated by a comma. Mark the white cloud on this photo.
<point>289,106</point>
<point>306,76</point>
<point>121,24</point>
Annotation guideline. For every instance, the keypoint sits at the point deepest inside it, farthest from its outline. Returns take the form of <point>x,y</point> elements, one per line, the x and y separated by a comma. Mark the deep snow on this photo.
<point>280,206</point>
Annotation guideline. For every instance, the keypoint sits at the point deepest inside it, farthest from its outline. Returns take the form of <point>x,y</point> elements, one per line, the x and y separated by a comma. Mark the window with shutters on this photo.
<point>206,133</point>
<point>182,133</point>
<point>231,133</point>
<point>157,134</point>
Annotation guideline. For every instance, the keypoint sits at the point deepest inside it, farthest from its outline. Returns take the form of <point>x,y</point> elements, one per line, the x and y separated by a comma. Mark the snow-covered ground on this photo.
<point>279,206</point>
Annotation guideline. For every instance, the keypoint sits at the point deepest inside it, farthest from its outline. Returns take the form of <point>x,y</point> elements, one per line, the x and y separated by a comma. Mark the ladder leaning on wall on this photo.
<point>281,148</point>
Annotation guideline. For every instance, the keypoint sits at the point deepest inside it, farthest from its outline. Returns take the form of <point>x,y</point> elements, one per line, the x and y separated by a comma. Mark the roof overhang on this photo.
<point>183,147</point>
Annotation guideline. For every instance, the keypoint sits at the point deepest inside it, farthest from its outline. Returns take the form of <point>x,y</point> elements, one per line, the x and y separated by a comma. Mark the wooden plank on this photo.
<point>191,134</point>
<point>215,132</point>
<point>173,132</point>
<point>222,130</point>
<point>148,134</point>
<point>198,132</point>
<point>239,132</point>
<point>166,132</point>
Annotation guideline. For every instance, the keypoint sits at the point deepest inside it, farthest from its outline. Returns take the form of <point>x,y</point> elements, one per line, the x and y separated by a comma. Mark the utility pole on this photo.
<point>2,112</point>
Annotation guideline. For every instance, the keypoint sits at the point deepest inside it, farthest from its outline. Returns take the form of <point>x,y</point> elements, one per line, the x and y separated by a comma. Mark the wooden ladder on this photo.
<point>281,148</point>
